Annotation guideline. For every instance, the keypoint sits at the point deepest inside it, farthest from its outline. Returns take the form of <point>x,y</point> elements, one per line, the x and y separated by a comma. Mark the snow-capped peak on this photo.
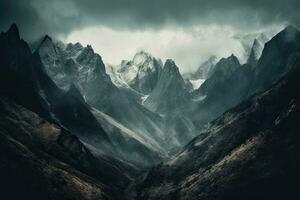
<point>141,57</point>
<point>141,73</point>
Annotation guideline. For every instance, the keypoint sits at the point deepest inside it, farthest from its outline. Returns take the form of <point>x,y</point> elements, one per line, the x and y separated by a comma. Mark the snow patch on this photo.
<point>144,98</point>
<point>197,83</point>
<point>199,98</point>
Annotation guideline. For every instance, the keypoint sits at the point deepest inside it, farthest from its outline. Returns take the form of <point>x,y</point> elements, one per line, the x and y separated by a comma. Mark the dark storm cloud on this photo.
<point>60,17</point>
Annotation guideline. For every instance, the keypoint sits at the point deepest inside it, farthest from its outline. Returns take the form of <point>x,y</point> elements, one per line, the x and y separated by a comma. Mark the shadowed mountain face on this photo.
<point>40,160</point>
<point>274,59</point>
<point>170,92</point>
<point>223,69</point>
<point>250,152</point>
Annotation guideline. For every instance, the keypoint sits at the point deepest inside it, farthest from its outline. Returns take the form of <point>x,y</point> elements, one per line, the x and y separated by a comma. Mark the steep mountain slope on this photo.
<point>220,91</point>
<point>141,150</point>
<point>275,56</point>
<point>247,153</point>
<point>223,69</point>
<point>170,98</point>
<point>41,160</point>
<point>170,92</point>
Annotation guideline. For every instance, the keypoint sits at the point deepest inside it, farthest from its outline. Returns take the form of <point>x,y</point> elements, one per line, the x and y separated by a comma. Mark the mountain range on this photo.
<point>73,128</point>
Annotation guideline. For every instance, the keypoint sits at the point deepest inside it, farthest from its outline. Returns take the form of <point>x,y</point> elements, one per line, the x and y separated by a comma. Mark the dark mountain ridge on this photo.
<point>247,153</point>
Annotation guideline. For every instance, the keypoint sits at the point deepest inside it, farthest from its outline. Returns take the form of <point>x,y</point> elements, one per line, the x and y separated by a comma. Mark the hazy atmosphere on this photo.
<point>149,99</point>
<point>186,31</point>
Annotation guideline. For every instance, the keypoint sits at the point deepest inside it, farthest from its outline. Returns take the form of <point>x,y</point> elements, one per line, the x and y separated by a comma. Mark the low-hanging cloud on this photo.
<point>188,47</point>
<point>58,17</point>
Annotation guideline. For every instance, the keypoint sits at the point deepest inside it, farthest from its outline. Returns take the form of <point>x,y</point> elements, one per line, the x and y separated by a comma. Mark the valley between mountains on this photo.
<point>72,127</point>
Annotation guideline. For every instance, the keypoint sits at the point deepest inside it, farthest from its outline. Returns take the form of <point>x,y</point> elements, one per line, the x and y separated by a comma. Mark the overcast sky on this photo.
<point>187,31</point>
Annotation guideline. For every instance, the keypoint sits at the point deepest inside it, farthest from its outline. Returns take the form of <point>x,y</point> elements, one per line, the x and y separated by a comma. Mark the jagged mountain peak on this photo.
<point>47,38</point>
<point>229,63</point>
<point>170,62</point>
<point>88,56</point>
<point>13,31</point>
<point>141,73</point>
<point>88,50</point>
<point>141,56</point>
<point>233,57</point>
<point>170,65</point>
<point>145,60</point>
<point>221,72</point>
<point>47,42</point>
<point>170,91</point>
<point>170,68</point>
<point>77,45</point>
<point>89,47</point>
